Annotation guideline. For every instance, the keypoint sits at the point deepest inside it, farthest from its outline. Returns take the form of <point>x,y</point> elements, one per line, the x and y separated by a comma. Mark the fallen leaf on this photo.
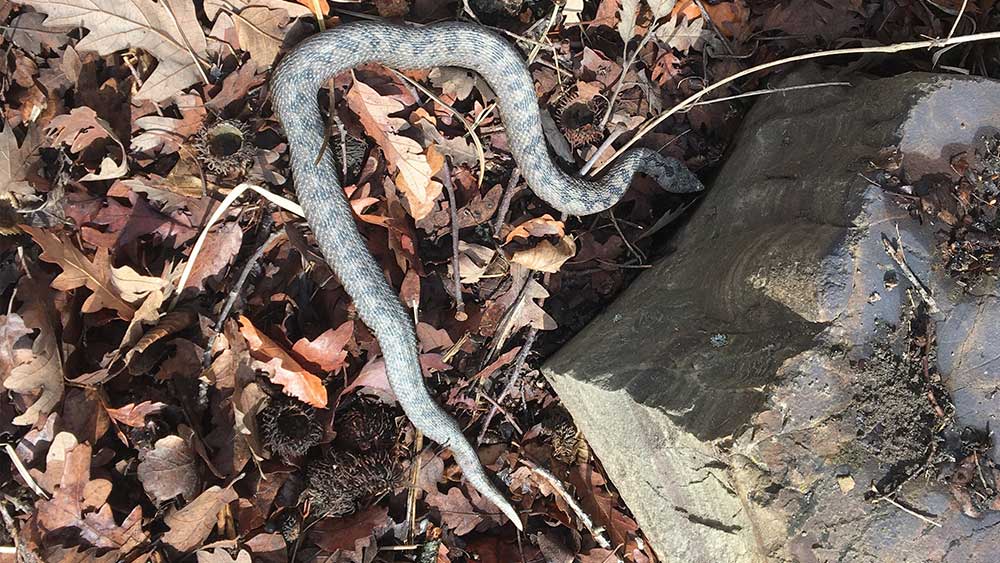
<point>134,415</point>
<point>261,32</point>
<point>543,226</point>
<point>220,555</point>
<point>405,156</point>
<point>214,7</point>
<point>626,22</point>
<point>545,256</point>
<point>166,134</point>
<point>373,374</point>
<point>12,328</point>
<point>236,86</point>
<point>16,162</point>
<point>473,261</point>
<point>133,286</point>
<point>283,369</point>
<point>682,36</point>
<point>168,29</point>
<point>190,525</point>
<point>351,533</point>
<point>456,511</point>
<point>44,373</point>
<point>77,504</point>
<point>456,83</point>
<point>220,248</point>
<point>169,470</point>
<point>78,271</point>
<point>27,33</point>
<point>327,350</point>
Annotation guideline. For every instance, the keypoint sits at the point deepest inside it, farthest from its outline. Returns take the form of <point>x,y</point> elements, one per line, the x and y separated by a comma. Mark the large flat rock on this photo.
<point>721,390</point>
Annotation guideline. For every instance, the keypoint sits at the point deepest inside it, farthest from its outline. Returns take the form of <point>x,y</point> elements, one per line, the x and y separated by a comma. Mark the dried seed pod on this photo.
<point>226,147</point>
<point>289,427</point>
<point>579,119</point>
<point>367,424</point>
<point>339,482</point>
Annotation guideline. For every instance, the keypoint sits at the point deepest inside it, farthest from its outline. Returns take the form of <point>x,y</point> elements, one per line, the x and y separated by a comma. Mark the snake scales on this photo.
<point>296,84</point>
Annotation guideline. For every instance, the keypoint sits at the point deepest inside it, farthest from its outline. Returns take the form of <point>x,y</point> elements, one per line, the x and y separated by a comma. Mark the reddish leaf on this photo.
<point>169,470</point>
<point>134,415</point>
<point>353,533</point>
<point>457,512</point>
<point>327,350</point>
<point>283,369</point>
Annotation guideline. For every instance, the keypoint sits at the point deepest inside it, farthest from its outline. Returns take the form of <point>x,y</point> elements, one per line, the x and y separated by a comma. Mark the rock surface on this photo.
<point>725,391</point>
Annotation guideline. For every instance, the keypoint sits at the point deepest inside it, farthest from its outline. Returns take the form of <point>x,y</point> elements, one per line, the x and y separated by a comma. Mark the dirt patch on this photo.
<point>900,408</point>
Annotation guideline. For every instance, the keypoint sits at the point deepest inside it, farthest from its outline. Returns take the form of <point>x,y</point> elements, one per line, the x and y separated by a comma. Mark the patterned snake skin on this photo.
<point>296,84</point>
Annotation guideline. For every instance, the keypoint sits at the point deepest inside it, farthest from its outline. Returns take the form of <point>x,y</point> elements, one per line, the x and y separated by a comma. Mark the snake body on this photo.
<point>295,86</point>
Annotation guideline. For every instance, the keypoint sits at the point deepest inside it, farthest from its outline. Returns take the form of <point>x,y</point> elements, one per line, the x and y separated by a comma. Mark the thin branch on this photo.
<point>515,374</point>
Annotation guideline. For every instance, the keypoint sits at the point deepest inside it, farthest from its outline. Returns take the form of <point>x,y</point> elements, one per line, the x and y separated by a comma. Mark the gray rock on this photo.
<point>719,390</point>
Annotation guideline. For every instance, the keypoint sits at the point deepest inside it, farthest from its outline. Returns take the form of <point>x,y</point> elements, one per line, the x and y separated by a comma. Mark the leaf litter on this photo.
<point>153,433</point>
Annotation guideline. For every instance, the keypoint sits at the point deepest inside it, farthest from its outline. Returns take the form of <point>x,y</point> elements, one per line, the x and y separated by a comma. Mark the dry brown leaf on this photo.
<point>261,32</point>
<point>456,83</point>
<point>190,525</point>
<point>283,369</point>
<point>457,512</point>
<point>12,328</point>
<point>16,162</point>
<point>169,470</point>
<point>373,374</point>
<point>220,555</point>
<point>545,256</point>
<point>171,323</point>
<point>44,373</point>
<point>166,134</point>
<point>327,350</point>
<point>414,168</point>
<point>236,86</point>
<point>133,414</point>
<point>133,286</point>
<point>78,271</point>
<point>473,261</point>
<point>351,533</point>
<point>80,504</point>
<point>221,247</point>
<point>543,226</point>
<point>682,36</point>
<point>626,23</point>
<point>214,7</point>
<point>168,29</point>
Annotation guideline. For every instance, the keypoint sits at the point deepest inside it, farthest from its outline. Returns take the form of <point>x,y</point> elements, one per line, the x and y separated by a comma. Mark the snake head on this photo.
<point>671,174</point>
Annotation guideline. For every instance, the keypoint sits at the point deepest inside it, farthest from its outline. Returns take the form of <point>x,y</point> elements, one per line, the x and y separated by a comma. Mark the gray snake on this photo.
<point>295,86</point>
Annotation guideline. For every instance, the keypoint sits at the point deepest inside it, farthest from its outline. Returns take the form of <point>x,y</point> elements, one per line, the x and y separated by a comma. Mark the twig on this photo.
<point>905,509</point>
<point>596,531</point>
<point>281,202</point>
<point>235,291</point>
<point>187,44</point>
<point>504,207</point>
<point>621,78</point>
<point>515,374</point>
<point>456,277</point>
<point>411,494</point>
<point>958,18</point>
<point>896,48</point>
<point>894,248</point>
<point>495,405</point>
<point>600,150</point>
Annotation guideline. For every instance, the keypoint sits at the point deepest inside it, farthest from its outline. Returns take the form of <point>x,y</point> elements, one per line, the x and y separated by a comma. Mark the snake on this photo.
<point>295,86</point>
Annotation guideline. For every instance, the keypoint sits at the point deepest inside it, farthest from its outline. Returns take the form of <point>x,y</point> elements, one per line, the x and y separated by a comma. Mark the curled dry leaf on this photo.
<point>12,328</point>
<point>171,323</point>
<point>414,168</point>
<point>44,374</point>
<point>220,555</point>
<point>78,130</point>
<point>169,470</point>
<point>134,286</point>
<point>282,368</point>
<point>539,227</point>
<point>473,261</point>
<point>168,29</point>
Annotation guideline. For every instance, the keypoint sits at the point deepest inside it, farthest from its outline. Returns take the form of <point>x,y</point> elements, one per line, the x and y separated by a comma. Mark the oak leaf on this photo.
<point>134,414</point>
<point>78,271</point>
<point>457,512</point>
<point>190,525</point>
<point>283,369</point>
<point>81,504</point>
<point>414,169</point>
<point>546,256</point>
<point>167,29</point>
<point>12,328</point>
<point>81,127</point>
<point>43,373</point>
